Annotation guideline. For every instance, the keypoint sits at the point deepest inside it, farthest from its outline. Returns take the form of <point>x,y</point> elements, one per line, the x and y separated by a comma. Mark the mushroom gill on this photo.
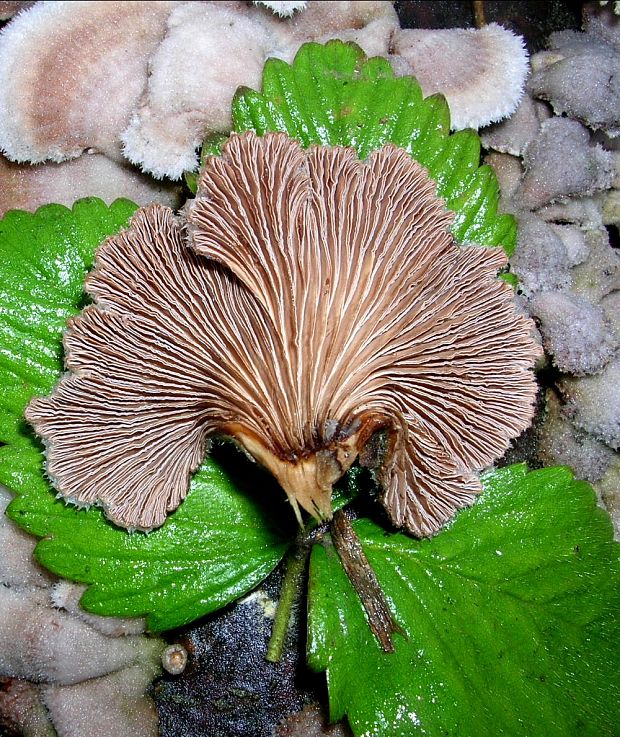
<point>315,308</point>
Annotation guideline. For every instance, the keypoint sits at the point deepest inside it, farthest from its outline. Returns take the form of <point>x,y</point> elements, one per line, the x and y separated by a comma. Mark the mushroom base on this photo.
<point>308,477</point>
<point>307,481</point>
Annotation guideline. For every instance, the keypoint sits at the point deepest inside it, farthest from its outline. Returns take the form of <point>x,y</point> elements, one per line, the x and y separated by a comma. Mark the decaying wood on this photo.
<point>364,581</point>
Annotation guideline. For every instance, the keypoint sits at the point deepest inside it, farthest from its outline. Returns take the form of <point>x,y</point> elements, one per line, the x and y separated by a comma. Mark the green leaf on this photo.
<point>191,181</point>
<point>214,548</point>
<point>211,146</point>
<point>510,618</point>
<point>333,95</point>
<point>44,258</point>
<point>510,278</point>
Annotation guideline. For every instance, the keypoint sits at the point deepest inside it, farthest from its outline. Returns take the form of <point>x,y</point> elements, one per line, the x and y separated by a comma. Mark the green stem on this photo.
<point>291,586</point>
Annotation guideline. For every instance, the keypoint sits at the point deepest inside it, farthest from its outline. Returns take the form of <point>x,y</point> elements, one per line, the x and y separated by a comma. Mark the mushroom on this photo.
<point>599,274</point>
<point>320,310</point>
<point>562,161</point>
<point>174,659</point>
<point>514,134</point>
<point>611,307</point>
<point>481,72</point>
<point>509,171</point>
<point>58,97</point>
<point>602,22</point>
<point>22,711</point>
<point>53,647</point>
<point>229,45</point>
<point>281,7</point>
<point>112,77</point>
<point>560,443</point>
<point>580,78</point>
<point>228,49</point>
<point>40,643</point>
<point>583,212</point>
<point>593,403</point>
<point>608,489</point>
<point>541,258</point>
<point>66,595</point>
<point>115,704</point>
<point>27,186</point>
<point>575,332</point>
<point>311,721</point>
<point>370,24</point>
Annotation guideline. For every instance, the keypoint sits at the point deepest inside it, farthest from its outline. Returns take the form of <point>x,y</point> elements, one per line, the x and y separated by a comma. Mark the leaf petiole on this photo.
<point>289,593</point>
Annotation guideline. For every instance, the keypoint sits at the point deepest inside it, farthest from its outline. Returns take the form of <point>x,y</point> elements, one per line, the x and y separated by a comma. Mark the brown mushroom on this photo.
<point>323,311</point>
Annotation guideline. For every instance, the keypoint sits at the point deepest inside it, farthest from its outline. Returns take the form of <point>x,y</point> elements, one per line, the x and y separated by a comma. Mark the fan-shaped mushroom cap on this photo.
<point>513,135</point>
<point>541,261</point>
<point>481,72</point>
<point>599,274</point>
<point>59,96</point>
<point>22,711</point>
<point>603,23</point>
<point>509,171</point>
<point>229,44</point>
<point>561,443</point>
<point>580,77</point>
<point>40,643</point>
<point>576,333</point>
<point>116,704</point>
<point>228,49</point>
<point>593,403</point>
<point>324,302</point>
<point>369,23</point>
